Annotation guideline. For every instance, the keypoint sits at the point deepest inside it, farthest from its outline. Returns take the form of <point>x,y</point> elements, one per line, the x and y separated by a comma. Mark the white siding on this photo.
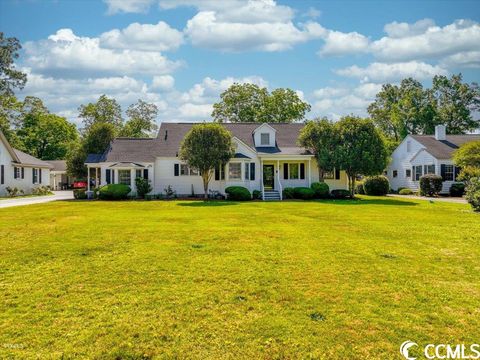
<point>264,129</point>
<point>6,161</point>
<point>401,162</point>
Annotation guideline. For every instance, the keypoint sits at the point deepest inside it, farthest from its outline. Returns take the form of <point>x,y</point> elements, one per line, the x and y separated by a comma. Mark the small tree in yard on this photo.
<point>206,146</point>
<point>359,149</point>
<point>143,187</point>
<point>317,136</point>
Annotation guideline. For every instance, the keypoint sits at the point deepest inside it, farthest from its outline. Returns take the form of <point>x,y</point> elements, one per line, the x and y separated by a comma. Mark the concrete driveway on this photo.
<point>57,195</point>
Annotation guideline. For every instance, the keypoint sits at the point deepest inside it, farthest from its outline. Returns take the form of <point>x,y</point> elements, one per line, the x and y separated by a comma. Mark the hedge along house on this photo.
<point>20,170</point>
<point>418,155</point>
<point>267,158</point>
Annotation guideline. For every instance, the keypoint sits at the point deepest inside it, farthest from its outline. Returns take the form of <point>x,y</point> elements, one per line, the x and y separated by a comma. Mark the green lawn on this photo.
<point>331,279</point>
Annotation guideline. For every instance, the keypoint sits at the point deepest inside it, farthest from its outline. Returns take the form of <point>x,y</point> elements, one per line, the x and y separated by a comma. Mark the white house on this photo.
<point>59,180</point>
<point>20,170</point>
<point>418,155</point>
<point>267,158</point>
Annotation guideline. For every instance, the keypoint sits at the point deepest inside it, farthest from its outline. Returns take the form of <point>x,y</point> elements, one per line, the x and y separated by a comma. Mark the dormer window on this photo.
<point>265,139</point>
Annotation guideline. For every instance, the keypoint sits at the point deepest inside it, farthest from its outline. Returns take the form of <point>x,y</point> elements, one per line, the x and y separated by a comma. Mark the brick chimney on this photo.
<point>440,132</point>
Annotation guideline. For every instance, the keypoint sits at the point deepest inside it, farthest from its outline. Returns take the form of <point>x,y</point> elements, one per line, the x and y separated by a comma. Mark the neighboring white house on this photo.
<point>267,158</point>
<point>20,170</point>
<point>418,155</point>
<point>59,180</point>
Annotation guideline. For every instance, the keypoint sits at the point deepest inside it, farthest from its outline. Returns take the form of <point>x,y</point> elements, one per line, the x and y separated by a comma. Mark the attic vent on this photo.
<point>166,134</point>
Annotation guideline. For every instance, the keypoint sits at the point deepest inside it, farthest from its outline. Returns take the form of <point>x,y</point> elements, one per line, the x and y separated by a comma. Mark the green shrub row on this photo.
<point>238,193</point>
<point>430,185</point>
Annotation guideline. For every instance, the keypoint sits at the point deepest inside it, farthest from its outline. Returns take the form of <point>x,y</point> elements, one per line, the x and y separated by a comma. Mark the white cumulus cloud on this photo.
<point>127,6</point>
<point>145,37</point>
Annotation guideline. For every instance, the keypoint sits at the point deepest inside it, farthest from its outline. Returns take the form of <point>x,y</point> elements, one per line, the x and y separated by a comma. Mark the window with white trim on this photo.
<point>247,171</point>
<point>448,173</point>
<point>124,177</point>
<point>394,173</point>
<point>138,174</point>
<point>35,175</point>
<point>408,173</point>
<point>329,174</point>
<point>235,171</point>
<point>16,174</point>
<point>428,169</point>
<point>293,171</point>
<point>418,172</point>
<point>264,139</point>
<point>409,146</point>
<point>186,170</point>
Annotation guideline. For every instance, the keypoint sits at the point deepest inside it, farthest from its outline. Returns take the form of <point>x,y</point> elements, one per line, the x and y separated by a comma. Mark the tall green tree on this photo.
<point>141,122</point>
<point>10,108</point>
<point>206,146</point>
<point>251,103</point>
<point>98,137</point>
<point>10,77</point>
<point>456,101</point>
<point>359,149</point>
<point>318,136</point>
<point>240,103</point>
<point>105,110</point>
<point>47,136</point>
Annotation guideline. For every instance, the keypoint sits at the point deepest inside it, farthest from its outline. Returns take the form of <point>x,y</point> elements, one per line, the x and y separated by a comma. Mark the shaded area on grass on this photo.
<point>209,203</point>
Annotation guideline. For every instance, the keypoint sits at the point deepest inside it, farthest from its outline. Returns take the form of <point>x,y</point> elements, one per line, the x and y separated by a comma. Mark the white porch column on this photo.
<point>88,178</point>
<point>261,179</point>
<point>309,172</point>
<point>280,190</point>
<point>132,179</point>
<point>96,177</point>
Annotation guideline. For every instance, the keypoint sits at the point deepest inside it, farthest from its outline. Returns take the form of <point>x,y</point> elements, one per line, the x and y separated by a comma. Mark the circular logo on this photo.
<point>405,347</point>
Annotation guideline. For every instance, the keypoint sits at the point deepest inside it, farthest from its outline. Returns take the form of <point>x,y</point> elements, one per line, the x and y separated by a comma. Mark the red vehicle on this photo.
<point>80,185</point>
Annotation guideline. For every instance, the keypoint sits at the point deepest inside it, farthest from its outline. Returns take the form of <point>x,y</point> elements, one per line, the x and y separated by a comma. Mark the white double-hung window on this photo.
<point>124,177</point>
<point>235,171</point>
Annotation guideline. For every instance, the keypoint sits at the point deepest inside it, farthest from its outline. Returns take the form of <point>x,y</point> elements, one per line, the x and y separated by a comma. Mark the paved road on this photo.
<point>443,199</point>
<point>58,195</point>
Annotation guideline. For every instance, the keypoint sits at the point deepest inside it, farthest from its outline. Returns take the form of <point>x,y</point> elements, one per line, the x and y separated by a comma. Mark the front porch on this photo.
<point>277,174</point>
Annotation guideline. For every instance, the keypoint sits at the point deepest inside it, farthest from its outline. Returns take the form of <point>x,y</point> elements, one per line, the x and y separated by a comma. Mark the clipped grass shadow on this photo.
<point>207,203</point>
<point>372,202</point>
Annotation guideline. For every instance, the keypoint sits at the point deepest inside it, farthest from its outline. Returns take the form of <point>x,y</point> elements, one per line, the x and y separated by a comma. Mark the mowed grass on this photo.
<point>326,279</point>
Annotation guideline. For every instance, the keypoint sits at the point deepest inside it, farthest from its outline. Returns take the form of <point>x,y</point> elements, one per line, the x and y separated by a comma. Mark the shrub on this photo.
<point>406,191</point>
<point>288,193</point>
<point>472,193</point>
<point>257,194</point>
<point>238,193</point>
<point>340,194</point>
<point>169,192</point>
<point>143,187</point>
<point>114,192</point>
<point>13,192</point>
<point>320,189</point>
<point>376,185</point>
<point>457,189</point>
<point>41,190</point>
<point>79,194</point>
<point>303,193</point>
<point>359,189</point>
<point>430,185</point>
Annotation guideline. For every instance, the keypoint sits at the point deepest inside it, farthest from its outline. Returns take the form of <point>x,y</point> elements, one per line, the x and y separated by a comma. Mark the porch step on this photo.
<point>271,195</point>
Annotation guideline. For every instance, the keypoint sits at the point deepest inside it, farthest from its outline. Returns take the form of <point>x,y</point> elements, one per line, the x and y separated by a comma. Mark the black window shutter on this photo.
<point>33,175</point>
<point>337,174</point>
<point>39,175</point>
<point>285,171</point>
<point>2,174</point>
<point>413,174</point>
<point>23,173</point>
<point>217,173</point>
<point>252,171</point>
<point>107,176</point>
<point>457,172</point>
<point>14,172</point>
<point>145,174</point>
<point>442,171</point>
<point>302,171</point>
<point>113,176</point>
<point>176,169</point>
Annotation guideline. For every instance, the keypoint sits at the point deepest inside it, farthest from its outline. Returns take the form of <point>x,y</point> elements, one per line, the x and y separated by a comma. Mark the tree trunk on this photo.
<point>205,178</point>
<point>320,174</point>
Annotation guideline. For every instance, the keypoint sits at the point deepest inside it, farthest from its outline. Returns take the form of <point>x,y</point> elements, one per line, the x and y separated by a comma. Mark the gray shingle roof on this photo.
<point>443,149</point>
<point>170,135</point>
<point>30,160</point>
<point>58,165</point>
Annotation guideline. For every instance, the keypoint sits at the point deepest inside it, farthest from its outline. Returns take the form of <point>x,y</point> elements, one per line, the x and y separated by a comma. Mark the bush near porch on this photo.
<point>114,192</point>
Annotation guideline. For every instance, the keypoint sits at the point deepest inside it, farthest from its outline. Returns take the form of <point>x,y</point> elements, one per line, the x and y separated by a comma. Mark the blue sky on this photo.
<point>180,54</point>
